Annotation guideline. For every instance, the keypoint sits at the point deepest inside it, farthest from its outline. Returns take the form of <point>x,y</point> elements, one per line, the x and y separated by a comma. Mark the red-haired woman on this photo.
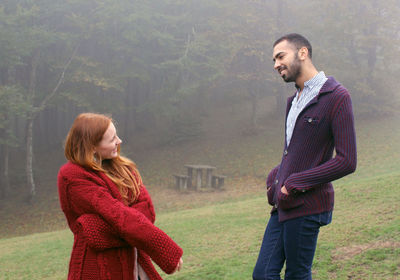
<point>108,209</point>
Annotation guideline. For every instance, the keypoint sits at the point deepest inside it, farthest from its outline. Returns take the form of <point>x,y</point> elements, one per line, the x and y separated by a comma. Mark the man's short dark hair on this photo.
<point>297,40</point>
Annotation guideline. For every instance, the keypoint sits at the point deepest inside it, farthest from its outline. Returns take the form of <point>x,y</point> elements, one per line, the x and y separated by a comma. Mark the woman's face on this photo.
<point>108,146</point>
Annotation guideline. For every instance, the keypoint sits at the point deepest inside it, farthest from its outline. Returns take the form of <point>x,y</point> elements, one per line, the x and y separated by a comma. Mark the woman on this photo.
<point>108,209</point>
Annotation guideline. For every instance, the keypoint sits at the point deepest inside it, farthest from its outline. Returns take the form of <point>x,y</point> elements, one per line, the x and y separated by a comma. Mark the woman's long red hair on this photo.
<point>85,134</point>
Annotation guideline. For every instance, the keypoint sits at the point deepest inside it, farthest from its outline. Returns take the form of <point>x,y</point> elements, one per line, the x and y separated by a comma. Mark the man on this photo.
<point>319,120</point>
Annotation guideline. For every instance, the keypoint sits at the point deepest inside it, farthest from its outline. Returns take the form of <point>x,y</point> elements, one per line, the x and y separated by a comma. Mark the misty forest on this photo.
<point>192,82</point>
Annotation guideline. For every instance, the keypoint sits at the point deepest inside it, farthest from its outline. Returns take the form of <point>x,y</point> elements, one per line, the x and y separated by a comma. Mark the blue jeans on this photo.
<point>293,241</point>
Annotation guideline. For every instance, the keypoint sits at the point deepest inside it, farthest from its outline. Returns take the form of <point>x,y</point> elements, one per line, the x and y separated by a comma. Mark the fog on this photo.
<point>181,79</point>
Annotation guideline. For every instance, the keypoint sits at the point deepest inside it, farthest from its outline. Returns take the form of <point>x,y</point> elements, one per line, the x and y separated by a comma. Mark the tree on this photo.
<point>36,64</point>
<point>160,65</point>
<point>12,105</point>
<point>358,52</point>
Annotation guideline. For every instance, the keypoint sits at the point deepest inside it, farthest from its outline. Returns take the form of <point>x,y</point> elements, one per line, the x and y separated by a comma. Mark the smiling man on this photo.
<point>319,121</point>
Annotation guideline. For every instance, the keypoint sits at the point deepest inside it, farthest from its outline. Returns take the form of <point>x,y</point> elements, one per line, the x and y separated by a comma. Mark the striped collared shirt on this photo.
<point>310,90</point>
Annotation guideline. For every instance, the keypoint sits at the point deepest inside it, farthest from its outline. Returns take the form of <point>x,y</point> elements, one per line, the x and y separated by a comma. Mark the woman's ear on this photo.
<point>96,156</point>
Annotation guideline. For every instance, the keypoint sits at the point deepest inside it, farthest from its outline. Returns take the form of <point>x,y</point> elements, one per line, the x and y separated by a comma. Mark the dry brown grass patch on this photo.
<point>349,252</point>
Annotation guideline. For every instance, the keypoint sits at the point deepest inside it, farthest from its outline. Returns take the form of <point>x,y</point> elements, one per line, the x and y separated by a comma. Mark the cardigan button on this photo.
<point>285,152</point>
<point>310,120</point>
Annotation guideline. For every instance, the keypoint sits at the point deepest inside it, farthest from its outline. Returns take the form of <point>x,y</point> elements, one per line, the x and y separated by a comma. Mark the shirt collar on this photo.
<point>318,79</point>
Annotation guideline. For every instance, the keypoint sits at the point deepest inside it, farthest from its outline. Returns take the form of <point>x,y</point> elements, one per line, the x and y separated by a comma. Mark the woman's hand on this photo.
<point>179,266</point>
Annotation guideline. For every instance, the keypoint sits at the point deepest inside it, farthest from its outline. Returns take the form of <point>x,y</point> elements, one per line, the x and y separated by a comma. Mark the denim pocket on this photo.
<point>325,218</point>
<point>321,219</point>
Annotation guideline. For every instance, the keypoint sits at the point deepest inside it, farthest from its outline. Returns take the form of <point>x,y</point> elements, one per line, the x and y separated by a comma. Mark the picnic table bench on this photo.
<point>198,169</point>
<point>181,181</point>
<point>217,181</point>
<point>195,173</point>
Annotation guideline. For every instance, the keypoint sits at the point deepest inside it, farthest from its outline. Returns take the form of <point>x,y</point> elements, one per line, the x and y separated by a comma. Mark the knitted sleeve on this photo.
<point>86,195</point>
<point>144,204</point>
<point>98,234</point>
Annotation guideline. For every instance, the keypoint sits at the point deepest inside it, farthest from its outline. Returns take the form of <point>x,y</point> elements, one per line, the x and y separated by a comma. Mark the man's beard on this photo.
<point>293,72</point>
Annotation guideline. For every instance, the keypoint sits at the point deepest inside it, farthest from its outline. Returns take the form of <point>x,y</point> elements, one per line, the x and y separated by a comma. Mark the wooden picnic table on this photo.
<point>198,168</point>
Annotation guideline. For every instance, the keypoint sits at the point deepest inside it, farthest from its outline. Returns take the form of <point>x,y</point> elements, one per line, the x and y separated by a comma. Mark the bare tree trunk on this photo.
<point>35,112</point>
<point>29,160</point>
<point>29,126</point>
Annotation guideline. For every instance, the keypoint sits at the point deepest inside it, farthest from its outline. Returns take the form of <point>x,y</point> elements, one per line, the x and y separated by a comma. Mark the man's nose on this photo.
<point>277,64</point>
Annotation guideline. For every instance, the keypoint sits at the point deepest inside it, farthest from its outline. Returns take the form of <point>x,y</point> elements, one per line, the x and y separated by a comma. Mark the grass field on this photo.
<point>221,232</point>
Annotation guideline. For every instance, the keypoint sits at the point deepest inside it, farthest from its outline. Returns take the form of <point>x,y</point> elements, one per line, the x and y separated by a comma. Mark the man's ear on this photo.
<point>303,53</point>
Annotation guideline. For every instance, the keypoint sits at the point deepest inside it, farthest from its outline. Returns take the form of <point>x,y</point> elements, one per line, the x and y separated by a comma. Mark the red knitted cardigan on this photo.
<point>106,231</point>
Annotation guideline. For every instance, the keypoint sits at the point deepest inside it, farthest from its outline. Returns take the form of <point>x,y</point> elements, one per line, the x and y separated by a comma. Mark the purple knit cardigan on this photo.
<point>308,166</point>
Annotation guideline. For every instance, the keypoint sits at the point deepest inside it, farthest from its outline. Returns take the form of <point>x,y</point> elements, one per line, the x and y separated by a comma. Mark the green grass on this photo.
<point>221,232</point>
<point>36,256</point>
<point>221,241</point>
<point>363,242</point>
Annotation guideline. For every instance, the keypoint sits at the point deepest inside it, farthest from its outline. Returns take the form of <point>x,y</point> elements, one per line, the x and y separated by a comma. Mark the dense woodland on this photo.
<point>159,67</point>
